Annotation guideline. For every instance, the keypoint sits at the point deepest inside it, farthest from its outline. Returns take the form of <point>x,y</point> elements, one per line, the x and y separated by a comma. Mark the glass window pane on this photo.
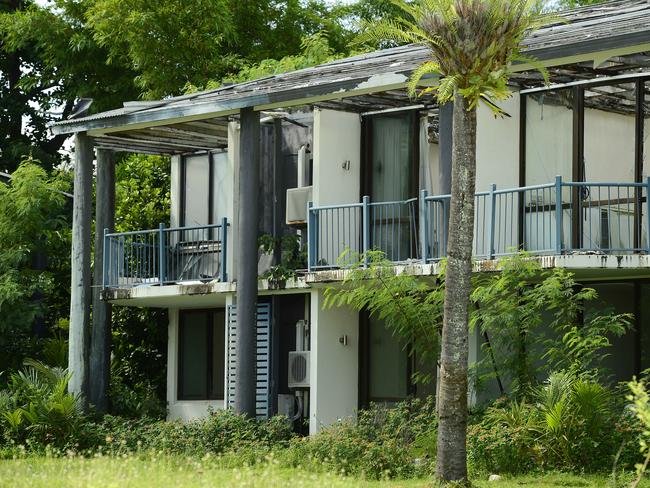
<point>218,354</point>
<point>609,133</point>
<point>196,190</point>
<point>392,157</point>
<point>388,364</point>
<point>618,298</point>
<point>549,136</point>
<point>193,356</point>
<point>644,326</point>
<point>549,153</point>
<point>609,156</point>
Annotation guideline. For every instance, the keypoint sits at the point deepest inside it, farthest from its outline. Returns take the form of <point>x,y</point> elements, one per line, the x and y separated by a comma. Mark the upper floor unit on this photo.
<point>349,162</point>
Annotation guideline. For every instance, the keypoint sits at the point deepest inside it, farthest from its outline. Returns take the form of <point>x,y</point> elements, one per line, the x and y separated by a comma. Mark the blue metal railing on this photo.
<point>358,227</point>
<point>553,218</point>
<point>165,255</point>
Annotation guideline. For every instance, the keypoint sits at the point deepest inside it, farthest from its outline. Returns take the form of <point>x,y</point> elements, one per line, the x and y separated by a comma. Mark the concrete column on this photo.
<point>249,189</point>
<point>80,289</point>
<point>100,346</point>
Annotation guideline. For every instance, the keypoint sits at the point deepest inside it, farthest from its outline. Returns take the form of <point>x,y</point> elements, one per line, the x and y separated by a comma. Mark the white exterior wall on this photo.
<point>175,191</point>
<point>233,164</point>
<point>334,391</point>
<point>184,410</point>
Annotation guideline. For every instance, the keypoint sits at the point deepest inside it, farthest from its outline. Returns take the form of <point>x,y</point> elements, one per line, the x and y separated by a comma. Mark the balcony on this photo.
<point>547,219</point>
<point>166,256</point>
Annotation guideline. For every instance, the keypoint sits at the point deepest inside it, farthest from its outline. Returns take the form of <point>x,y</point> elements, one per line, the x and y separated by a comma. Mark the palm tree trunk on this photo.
<point>451,462</point>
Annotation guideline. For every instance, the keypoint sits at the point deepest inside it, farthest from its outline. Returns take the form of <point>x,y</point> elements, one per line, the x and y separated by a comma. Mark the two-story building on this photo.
<point>339,156</point>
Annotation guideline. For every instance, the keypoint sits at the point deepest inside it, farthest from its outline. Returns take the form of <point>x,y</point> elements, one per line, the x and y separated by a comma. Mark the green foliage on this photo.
<point>641,407</point>
<point>314,49</point>
<point>532,319</point>
<point>139,335</point>
<point>383,442</point>
<point>293,257</point>
<point>220,432</point>
<point>570,424</point>
<point>168,43</point>
<point>34,250</point>
<point>472,43</point>
<point>36,408</point>
<point>410,307</point>
<point>51,60</point>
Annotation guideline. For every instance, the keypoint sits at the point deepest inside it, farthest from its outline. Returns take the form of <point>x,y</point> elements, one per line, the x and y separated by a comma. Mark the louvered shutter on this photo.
<point>263,358</point>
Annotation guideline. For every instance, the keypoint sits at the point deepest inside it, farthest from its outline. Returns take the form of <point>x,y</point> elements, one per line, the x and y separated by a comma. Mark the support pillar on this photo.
<point>100,346</point>
<point>80,289</point>
<point>249,150</point>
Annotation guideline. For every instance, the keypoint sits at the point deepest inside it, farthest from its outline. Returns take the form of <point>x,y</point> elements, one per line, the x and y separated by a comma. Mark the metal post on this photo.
<point>558,215</point>
<point>224,249</point>
<point>365,222</point>
<point>493,200</point>
<point>162,260</point>
<point>424,226</point>
<point>647,211</point>
<point>107,258</point>
<point>311,236</point>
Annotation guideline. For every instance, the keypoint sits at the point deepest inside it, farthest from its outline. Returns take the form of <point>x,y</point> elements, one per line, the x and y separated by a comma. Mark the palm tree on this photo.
<point>473,45</point>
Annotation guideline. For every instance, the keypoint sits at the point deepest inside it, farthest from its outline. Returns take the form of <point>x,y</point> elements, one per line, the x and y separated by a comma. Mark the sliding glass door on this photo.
<point>391,154</point>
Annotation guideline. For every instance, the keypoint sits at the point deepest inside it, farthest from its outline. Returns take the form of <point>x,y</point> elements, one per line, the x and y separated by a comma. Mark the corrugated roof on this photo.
<point>587,30</point>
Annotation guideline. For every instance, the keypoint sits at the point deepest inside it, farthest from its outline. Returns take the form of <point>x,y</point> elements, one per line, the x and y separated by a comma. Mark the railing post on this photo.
<point>224,249</point>
<point>162,261</point>
<point>311,233</point>
<point>365,222</point>
<point>558,214</point>
<point>106,260</point>
<point>493,200</point>
<point>647,211</point>
<point>424,226</point>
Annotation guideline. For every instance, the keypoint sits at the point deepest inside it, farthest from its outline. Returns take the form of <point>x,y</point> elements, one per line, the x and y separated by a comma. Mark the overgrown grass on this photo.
<point>187,472</point>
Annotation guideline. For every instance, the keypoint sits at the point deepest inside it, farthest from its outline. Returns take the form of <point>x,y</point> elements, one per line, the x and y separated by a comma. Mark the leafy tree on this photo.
<point>51,60</point>
<point>34,265</point>
<point>167,43</point>
<point>53,52</point>
<point>472,45</point>
<point>531,320</point>
<point>139,338</point>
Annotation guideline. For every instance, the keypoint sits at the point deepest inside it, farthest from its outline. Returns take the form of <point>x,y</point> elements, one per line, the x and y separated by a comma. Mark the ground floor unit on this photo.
<point>323,363</point>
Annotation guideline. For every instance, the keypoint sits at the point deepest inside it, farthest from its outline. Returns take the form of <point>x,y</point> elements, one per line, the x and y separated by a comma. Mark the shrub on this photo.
<point>571,424</point>
<point>222,431</point>
<point>383,442</point>
<point>36,409</point>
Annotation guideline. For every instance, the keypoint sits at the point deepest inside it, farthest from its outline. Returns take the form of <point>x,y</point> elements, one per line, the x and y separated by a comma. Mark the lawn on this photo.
<point>127,472</point>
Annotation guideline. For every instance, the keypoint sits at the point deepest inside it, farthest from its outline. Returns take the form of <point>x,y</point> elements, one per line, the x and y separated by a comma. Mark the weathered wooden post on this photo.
<point>100,344</point>
<point>80,289</point>
<point>249,156</point>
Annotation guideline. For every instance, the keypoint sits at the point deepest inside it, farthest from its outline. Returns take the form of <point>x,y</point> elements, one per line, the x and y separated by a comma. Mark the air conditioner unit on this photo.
<point>297,199</point>
<point>299,369</point>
